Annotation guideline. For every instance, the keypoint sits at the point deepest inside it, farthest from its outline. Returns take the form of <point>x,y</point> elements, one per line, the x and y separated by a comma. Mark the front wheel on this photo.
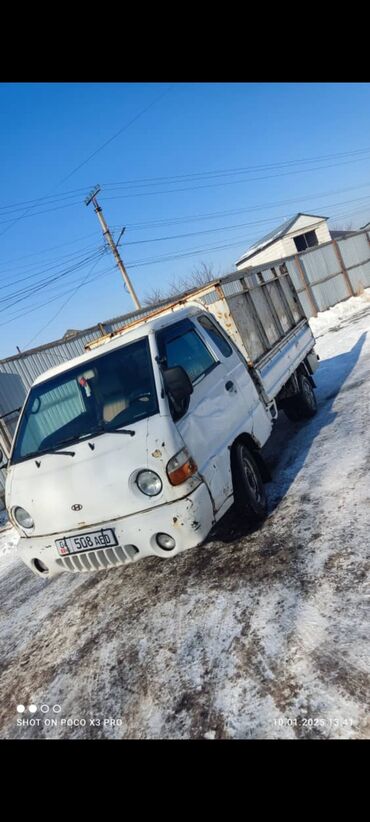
<point>249,491</point>
<point>303,405</point>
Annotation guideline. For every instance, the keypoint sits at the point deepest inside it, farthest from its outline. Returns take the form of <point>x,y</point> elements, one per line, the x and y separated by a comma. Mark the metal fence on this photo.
<point>330,273</point>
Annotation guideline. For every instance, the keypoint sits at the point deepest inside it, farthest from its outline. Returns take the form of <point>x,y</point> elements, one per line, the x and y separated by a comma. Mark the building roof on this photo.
<point>337,234</point>
<point>274,235</point>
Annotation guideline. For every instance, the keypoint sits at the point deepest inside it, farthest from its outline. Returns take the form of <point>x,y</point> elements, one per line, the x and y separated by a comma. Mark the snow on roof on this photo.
<point>275,235</point>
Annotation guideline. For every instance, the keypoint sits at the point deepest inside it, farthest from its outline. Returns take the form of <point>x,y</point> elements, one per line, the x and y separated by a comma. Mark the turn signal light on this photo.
<point>181,467</point>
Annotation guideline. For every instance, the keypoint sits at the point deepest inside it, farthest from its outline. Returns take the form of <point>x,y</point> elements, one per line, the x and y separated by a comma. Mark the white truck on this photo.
<point>137,447</point>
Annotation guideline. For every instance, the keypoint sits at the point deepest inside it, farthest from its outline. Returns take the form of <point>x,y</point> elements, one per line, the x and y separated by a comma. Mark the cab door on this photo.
<point>217,407</point>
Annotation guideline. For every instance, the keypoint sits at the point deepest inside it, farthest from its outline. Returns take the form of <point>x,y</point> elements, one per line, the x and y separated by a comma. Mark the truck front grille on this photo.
<point>98,560</point>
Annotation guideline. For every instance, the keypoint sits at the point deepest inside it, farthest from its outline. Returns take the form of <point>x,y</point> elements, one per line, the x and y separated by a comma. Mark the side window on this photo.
<point>190,352</point>
<point>216,336</point>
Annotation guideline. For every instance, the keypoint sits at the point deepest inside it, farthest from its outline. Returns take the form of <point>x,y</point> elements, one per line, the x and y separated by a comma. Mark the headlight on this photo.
<point>23,518</point>
<point>149,483</point>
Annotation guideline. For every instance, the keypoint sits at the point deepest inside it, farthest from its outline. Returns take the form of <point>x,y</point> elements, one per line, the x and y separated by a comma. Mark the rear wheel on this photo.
<point>303,405</point>
<point>249,491</point>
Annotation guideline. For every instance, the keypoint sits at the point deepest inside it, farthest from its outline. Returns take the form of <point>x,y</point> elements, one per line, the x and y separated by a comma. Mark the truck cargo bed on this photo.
<point>261,311</point>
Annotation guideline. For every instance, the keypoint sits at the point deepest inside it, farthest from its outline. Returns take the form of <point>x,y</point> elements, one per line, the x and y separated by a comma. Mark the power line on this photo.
<point>29,212</point>
<point>74,291</point>
<point>229,182</point>
<point>21,314</point>
<point>239,170</point>
<point>43,284</point>
<point>94,153</point>
<point>260,206</point>
<point>117,134</point>
<point>52,198</point>
<point>46,266</point>
<point>51,248</point>
<point>229,227</point>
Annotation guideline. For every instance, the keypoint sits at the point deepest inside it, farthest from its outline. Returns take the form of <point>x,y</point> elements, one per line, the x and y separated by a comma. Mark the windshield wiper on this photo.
<point>103,429</point>
<point>52,451</point>
<point>128,431</point>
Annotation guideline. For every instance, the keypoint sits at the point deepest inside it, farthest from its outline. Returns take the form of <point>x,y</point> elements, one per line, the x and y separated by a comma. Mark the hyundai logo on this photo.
<point>76,507</point>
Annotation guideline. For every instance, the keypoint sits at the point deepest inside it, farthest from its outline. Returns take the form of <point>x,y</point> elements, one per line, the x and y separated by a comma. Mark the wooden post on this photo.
<point>343,269</point>
<point>307,286</point>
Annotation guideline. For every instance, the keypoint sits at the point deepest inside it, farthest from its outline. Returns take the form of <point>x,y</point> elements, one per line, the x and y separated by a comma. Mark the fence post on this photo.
<point>343,268</point>
<point>307,286</point>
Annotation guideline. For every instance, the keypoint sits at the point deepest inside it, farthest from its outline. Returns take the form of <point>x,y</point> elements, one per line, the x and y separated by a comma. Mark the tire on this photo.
<point>303,405</point>
<point>249,492</point>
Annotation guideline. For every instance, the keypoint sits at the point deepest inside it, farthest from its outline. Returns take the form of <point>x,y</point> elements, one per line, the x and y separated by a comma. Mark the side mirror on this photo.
<point>177,383</point>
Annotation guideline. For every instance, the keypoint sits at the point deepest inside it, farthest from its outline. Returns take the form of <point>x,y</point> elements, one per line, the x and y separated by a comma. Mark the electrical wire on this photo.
<point>74,291</point>
<point>50,265</point>
<point>93,154</point>
<point>29,212</point>
<point>26,292</point>
<point>52,198</point>
<point>21,314</point>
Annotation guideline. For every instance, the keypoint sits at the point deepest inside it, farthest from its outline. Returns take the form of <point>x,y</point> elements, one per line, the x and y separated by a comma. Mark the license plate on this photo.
<point>104,538</point>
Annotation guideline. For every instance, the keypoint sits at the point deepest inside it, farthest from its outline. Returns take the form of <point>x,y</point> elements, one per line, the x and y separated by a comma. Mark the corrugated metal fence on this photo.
<point>330,273</point>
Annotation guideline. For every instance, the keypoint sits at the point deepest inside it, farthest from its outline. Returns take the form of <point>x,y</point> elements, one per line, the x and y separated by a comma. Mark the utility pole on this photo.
<point>106,233</point>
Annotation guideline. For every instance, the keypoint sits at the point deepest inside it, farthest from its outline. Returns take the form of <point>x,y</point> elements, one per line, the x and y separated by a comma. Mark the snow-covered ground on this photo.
<point>253,635</point>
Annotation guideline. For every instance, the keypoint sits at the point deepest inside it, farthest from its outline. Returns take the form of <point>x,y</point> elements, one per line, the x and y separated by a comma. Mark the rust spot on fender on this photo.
<point>157,453</point>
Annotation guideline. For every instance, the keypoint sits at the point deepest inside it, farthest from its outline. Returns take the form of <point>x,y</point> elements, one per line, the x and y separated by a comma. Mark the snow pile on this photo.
<point>330,320</point>
<point>8,541</point>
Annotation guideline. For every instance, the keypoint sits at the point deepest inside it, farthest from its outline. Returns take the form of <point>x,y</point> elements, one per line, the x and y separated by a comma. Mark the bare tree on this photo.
<point>200,275</point>
<point>153,297</point>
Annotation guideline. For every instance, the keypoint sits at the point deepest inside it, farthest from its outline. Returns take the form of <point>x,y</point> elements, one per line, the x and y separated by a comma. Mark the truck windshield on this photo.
<point>103,394</point>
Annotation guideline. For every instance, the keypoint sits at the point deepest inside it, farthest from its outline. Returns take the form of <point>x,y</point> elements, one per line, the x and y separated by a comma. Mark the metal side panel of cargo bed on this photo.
<point>262,313</point>
<point>275,368</point>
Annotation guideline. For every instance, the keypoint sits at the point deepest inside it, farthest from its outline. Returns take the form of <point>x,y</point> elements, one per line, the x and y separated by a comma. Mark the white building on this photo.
<point>296,234</point>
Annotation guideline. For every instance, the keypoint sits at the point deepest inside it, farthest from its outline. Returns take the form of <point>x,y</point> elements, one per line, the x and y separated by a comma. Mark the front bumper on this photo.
<point>187,520</point>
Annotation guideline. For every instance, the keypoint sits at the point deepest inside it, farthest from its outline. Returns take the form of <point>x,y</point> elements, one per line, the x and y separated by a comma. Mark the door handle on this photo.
<point>229,385</point>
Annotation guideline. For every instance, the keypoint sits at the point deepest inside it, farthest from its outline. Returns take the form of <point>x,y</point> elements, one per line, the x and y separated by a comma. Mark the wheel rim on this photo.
<point>308,393</point>
<point>252,479</point>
